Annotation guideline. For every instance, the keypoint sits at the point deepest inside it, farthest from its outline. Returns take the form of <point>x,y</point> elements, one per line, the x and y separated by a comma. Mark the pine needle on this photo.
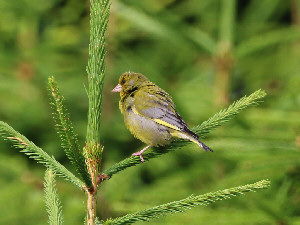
<point>224,115</point>
<point>65,130</point>
<point>187,203</point>
<point>96,67</point>
<point>28,148</point>
<point>53,204</point>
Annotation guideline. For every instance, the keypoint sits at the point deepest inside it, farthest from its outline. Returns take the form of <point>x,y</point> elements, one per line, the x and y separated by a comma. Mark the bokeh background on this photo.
<point>206,54</point>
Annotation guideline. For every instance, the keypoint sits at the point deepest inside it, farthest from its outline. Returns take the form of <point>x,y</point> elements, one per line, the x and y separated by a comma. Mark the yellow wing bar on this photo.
<point>159,121</point>
<point>164,123</point>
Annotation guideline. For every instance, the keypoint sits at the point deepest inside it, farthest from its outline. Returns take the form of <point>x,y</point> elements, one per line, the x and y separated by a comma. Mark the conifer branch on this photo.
<point>187,203</point>
<point>99,13</point>
<point>97,222</point>
<point>65,130</point>
<point>29,148</point>
<point>212,123</point>
<point>53,204</point>
<point>224,115</point>
<point>132,161</point>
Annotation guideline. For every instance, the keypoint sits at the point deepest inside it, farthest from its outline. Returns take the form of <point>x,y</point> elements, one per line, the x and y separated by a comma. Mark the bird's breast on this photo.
<point>146,129</point>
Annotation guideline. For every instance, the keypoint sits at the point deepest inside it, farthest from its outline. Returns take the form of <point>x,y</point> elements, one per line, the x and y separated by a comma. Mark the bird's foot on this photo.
<point>140,154</point>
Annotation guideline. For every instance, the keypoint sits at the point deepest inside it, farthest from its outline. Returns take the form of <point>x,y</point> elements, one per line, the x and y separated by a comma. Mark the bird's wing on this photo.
<point>158,106</point>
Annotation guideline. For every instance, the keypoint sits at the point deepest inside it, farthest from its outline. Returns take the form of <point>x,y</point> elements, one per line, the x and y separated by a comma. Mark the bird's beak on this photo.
<point>117,88</point>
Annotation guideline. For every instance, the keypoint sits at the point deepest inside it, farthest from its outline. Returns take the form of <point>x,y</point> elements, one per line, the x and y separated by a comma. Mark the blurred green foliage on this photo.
<point>180,46</point>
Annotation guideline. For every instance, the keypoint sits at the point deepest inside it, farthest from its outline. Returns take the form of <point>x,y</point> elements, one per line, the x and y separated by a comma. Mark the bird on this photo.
<point>149,113</point>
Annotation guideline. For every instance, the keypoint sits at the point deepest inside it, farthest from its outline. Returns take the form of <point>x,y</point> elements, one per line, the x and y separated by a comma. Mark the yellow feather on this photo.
<point>164,123</point>
<point>159,121</point>
<point>182,135</point>
<point>135,111</point>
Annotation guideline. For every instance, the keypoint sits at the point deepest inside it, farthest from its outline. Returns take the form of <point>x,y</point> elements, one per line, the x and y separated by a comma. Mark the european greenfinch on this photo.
<point>149,113</point>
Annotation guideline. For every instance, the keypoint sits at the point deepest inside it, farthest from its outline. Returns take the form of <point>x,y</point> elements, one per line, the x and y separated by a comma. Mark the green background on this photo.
<point>206,54</point>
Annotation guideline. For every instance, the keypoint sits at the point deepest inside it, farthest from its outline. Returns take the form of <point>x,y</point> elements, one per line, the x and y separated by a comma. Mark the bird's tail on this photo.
<point>200,143</point>
<point>191,136</point>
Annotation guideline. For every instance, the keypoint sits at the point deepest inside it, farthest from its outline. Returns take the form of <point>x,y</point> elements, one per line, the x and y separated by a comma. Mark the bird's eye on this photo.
<point>122,81</point>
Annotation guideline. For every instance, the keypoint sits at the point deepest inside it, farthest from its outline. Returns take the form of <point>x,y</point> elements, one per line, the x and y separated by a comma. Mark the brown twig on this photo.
<point>91,204</point>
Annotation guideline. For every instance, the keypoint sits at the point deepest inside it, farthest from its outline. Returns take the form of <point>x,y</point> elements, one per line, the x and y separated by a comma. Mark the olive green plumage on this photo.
<point>149,112</point>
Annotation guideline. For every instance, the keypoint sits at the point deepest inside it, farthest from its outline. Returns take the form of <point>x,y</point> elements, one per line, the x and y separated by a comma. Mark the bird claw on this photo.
<point>140,154</point>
